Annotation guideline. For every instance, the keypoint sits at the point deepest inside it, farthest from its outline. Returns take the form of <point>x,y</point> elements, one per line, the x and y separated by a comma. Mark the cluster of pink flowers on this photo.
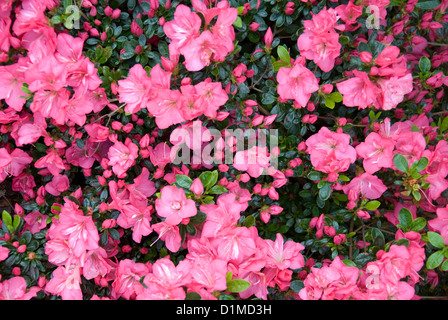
<point>201,44</point>
<point>93,150</point>
<point>383,279</point>
<point>170,106</point>
<point>383,87</point>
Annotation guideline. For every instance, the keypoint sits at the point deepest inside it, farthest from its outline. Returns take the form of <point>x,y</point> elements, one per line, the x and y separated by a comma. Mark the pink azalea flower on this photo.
<point>35,221</point>
<point>296,83</point>
<point>11,82</point>
<point>58,185</point>
<point>141,189</point>
<point>210,274</point>
<point>366,185</point>
<point>329,151</point>
<point>394,89</point>
<point>170,234</point>
<point>211,96</point>
<point>127,279</point>
<point>174,206</point>
<point>122,156</point>
<point>96,264</point>
<point>440,224</point>
<point>220,216</point>
<point>160,155</point>
<point>358,91</point>
<point>65,283</point>
<point>235,244</point>
<point>80,230</point>
<point>135,89</point>
<point>183,28</point>
<point>411,145</point>
<point>377,152</point>
<point>283,255</point>
<point>4,252</point>
<point>16,289</point>
<point>254,161</point>
<point>166,280</point>
<point>319,42</point>
<point>139,219</point>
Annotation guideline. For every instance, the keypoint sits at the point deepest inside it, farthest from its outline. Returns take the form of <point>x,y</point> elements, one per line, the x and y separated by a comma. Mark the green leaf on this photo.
<point>114,234</point>
<point>405,218</point>
<point>80,143</point>
<point>344,40</point>
<point>434,260</point>
<point>329,103</point>
<point>436,239</point>
<point>428,5</point>
<point>325,191</point>
<point>193,296</point>
<point>217,189</point>
<point>336,96</point>
<point>372,205</point>
<point>198,218</point>
<point>208,178</point>
<point>401,162</point>
<point>420,164</point>
<point>314,175</point>
<point>349,263</point>
<point>416,194</point>
<point>6,218</point>
<point>249,221</point>
<point>297,285</point>
<point>127,55</point>
<point>283,54</point>
<point>229,276</point>
<point>56,19</point>
<point>238,22</point>
<point>445,265</point>
<point>237,285</point>
<point>444,125</point>
<point>418,224</point>
<point>183,181</point>
<point>424,64</point>
<point>16,222</point>
<point>378,238</point>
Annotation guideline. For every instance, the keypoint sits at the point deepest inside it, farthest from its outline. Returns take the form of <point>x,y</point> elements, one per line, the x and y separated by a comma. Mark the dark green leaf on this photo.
<point>436,239</point>
<point>401,162</point>
<point>183,181</point>
<point>424,64</point>
<point>434,260</point>
<point>405,218</point>
<point>428,5</point>
<point>237,285</point>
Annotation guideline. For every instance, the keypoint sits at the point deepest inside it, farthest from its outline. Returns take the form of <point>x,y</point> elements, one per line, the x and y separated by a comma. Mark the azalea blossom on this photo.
<point>174,206</point>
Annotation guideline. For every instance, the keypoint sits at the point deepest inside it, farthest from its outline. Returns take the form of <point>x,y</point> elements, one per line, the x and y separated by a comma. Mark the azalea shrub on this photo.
<point>223,150</point>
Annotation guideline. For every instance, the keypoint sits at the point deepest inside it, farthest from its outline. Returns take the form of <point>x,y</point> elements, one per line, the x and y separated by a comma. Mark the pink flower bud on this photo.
<point>244,178</point>
<point>109,223</point>
<point>254,26</point>
<point>330,231</point>
<point>197,187</point>
<point>339,239</point>
<point>21,248</point>
<point>41,281</point>
<point>268,37</point>
<point>327,88</point>
<point>363,214</point>
<point>116,14</point>
<point>366,57</point>
<point>274,209</point>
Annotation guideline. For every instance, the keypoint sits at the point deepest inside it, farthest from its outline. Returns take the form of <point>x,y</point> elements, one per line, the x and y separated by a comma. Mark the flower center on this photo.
<point>176,205</point>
